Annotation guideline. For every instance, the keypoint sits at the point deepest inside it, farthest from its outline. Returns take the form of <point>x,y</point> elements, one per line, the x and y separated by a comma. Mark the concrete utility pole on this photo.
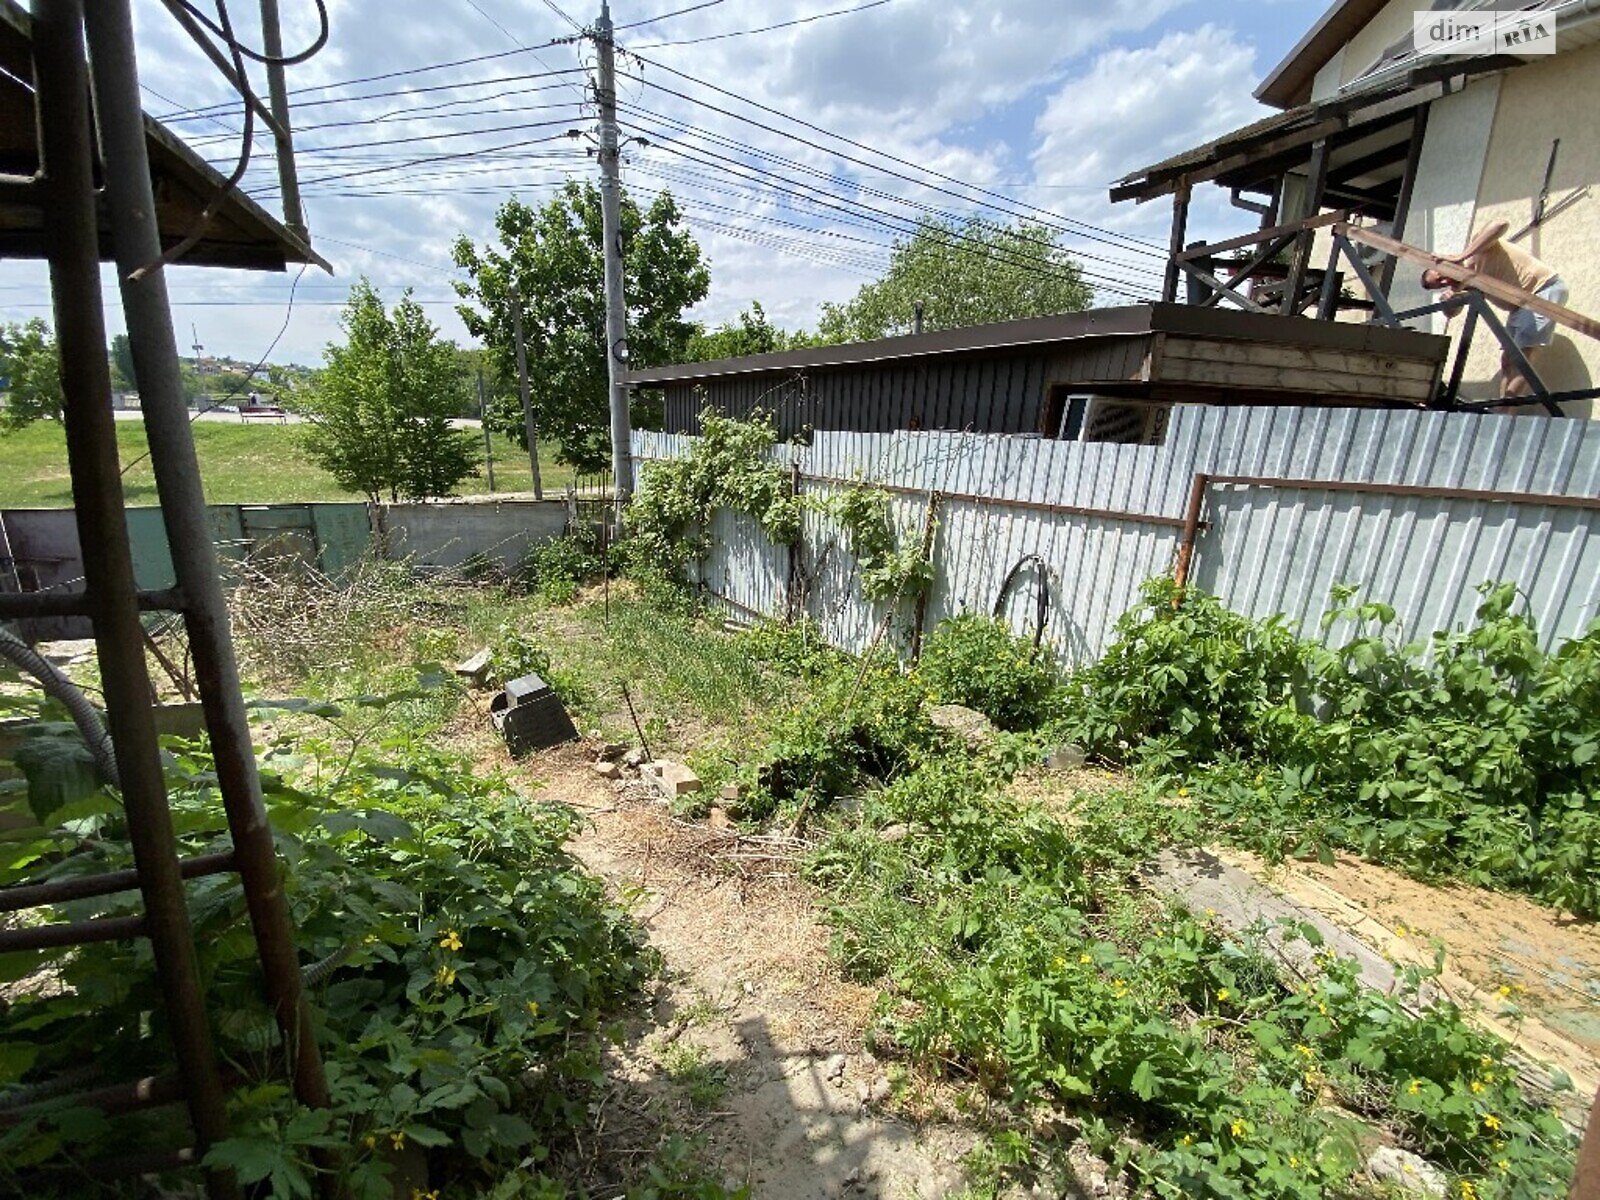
<point>528,425</point>
<point>483,419</point>
<point>294,214</point>
<point>611,225</point>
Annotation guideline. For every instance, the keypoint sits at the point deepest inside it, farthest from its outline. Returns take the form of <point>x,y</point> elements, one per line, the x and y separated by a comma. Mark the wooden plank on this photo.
<point>1250,239</point>
<point>1493,288</point>
<point>1180,224</point>
<point>1290,379</point>
<point>1218,288</point>
<point>1316,185</point>
<point>1402,204</point>
<point>1348,362</point>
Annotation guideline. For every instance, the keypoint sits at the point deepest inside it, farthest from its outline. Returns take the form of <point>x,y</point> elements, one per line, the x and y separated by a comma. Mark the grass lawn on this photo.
<point>241,464</point>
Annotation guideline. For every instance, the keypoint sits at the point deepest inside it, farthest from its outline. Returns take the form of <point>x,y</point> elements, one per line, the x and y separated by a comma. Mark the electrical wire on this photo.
<point>200,143</point>
<point>515,40</point>
<point>1136,243</point>
<point>717,37</point>
<point>1046,244</point>
<point>555,8</point>
<point>249,375</point>
<point>227,106</point>
<point>905,226</point>
<point>247,139</point>
<point>224,31</point>
<point>664,16</point>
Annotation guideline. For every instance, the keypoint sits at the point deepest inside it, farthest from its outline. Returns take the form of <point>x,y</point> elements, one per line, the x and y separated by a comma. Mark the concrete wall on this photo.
<point>446,535</point>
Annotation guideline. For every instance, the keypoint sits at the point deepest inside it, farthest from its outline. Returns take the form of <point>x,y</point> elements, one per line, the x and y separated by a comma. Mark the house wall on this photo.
<point>1384,30</point>
<point>1549,98</point>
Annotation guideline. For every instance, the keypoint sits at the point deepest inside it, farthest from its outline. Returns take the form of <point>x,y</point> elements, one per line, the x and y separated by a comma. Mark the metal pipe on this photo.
<point>1068,510</point>
<point>107,883</point>
<point>1420,490</point>
<point>1191,529</point>
<point>73,933</point>
<point>294,214</point>
<point>56,684</point>
<point>73,243</point>
<point>194,559</point>
<point>23,606</point>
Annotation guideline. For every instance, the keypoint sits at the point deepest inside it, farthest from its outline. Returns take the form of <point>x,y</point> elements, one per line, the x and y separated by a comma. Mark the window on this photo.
<point>1077,417</point>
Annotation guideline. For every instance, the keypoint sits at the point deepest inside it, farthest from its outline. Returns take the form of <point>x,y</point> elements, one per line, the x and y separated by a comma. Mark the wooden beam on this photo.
<point>1250,239</point>
<point>1180,225</point>
<point>1408,184</point>
<point>1222,289</point>
<point>1316,185</point>
<point>1493,288</point>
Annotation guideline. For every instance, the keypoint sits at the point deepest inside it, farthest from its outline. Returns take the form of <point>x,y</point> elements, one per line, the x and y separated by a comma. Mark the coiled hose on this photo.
<point>56,685</point>
<point>1042,603</point>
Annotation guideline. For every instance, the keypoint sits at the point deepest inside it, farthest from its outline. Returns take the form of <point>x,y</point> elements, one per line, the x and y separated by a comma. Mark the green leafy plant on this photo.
<point>892,567</point>
<point>463,964</point>
<point>977,661</point>
<point>728,467</point>
<point>555,570</point>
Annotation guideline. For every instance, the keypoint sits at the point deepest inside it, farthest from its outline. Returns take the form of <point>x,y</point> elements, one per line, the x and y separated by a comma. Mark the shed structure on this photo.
<point>1108,374</point>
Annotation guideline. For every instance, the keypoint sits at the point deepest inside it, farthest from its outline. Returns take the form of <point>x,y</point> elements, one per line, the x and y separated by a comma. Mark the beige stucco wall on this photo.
<point>1549,98</point>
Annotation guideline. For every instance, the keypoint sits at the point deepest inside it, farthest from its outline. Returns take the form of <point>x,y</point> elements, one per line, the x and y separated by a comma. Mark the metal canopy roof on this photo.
<point>242,234</point>
<point>1289,83</point>
<point>1035,332</point>
<point>1265,148</point>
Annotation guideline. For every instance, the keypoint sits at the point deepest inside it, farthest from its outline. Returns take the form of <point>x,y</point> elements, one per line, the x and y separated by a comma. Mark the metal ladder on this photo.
<point>112,601</point>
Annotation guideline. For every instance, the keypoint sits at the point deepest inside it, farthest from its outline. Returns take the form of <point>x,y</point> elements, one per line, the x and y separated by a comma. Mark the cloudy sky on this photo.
<point>1038,102</point>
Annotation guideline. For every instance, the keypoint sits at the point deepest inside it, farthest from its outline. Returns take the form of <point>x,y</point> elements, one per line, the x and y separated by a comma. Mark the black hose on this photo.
<point>1042,603</point>
<point>56,684</point>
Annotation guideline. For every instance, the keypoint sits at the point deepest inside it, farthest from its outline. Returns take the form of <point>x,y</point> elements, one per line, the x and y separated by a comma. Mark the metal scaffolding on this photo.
<point>75,138</point>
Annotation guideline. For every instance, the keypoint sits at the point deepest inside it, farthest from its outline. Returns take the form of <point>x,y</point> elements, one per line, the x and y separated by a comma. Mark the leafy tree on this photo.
<point>553,255</point>
<point>752,333</point>
<point>30,375</point>
<point>380,409</point>
<point>122,363</point>
<point>964,274</point>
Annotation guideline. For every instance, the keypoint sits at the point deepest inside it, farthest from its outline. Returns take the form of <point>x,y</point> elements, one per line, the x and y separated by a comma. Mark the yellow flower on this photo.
<point>419,1194</point>
<point>1491,1121</point>
<point>451,940</point>
<point>1186,1140</point>
<point>369,939</point>
<point>1503,991</point>
<point>1504,1165</point>
<point>533,1008</point>
<point>1294,1162</point>
<point>445,976</point>
<point>1058,962</point>
<point>1485,1060</point>
<point>1304,1049</point>
<point>1468,1192</point>
<point>371,1141</point>
<point>1085,958</point>
<point>1222,993</point>
<point>1211,912</point>
<point>1399,931</point>
<point>1322,1008</point>
<point>1476,1085</point>
<point>399,1139</point>
<point>1416,1087</point>
<point>1239,1128</point>
<point>1183,791</point>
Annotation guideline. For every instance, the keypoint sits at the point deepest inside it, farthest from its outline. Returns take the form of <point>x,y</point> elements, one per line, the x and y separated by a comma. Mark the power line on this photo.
<point>431,137</point>
<point>201,115</point>
<point>424,69</point>
<point>677,13</point>
<point>1094,232</point>
<point>365,121</point>
<point>906,225</point>
<point>875,192</point>
<point>555,8</point>
<point>717,37</point>
<point>516,41</point>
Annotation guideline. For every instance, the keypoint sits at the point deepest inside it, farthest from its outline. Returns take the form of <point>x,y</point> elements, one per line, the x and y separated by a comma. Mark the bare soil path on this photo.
<point>752,1040</point>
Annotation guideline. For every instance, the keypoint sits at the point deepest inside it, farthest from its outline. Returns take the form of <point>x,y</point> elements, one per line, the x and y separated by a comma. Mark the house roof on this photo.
<point>1289,83</point>
<point>242,234</point>
<point>1043,332</point>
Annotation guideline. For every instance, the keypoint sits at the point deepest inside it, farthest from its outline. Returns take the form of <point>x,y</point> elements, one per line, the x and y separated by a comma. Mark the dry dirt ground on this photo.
<point>751,1040</point>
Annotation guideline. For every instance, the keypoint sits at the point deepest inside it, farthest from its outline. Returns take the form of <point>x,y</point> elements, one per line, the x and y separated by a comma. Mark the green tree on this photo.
<point>553,256</point>
<point>122,363</point>
<point>30,375</point>
<point>751,333</point>
<point>380,409</point>
<point>964,274</point>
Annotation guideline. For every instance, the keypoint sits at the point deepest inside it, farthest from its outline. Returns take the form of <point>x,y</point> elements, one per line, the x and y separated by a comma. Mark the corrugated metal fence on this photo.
<point>1102,518</point>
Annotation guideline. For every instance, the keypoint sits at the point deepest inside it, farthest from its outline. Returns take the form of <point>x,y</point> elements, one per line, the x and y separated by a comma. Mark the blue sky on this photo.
<point>1040,101</point>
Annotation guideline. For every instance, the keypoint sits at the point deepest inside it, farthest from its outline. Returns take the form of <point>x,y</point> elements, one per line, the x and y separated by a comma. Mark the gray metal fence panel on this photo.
<point>1266,550</point>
